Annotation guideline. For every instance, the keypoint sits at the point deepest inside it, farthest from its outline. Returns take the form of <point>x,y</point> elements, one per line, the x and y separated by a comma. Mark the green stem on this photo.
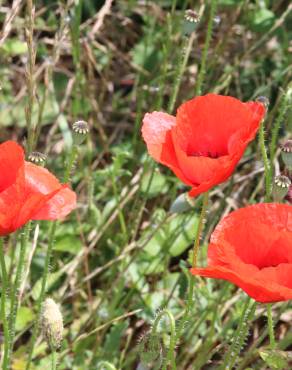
<point>202,72</point>
<point>14,294</point>
<point>186,49</point>
<point>271,326</point>
<point>170,358</point>
<point>70,162</point>
<point>284,106</point>
<point>194,263</point>
<point>30,81</point>
<point>4,293</point>
<point>266,163</point>
<point>200,228</point>
<point>68,169</point>
<point>42,293</point>
<point>240,335</point>
<point>54,359</point>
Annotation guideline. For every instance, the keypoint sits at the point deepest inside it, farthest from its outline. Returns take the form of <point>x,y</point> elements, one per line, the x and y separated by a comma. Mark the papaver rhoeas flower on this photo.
<point>29,192</point>
<point>252,248</point>
<point>205,140</point>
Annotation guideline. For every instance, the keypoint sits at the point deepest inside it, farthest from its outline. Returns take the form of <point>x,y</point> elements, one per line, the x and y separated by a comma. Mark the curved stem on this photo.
<point>170,355</point>
<point>4,293</point>
<point>202,72</point>
<point>14,294</point>
<point>271,326</point>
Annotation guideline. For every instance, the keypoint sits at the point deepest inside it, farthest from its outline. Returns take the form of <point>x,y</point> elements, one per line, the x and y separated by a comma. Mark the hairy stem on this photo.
<point>42,293</point>
<point>202,72</point>
<point>14,294</point>
<point>170,358</point>
<point>240,335</point>
<point>4,293</point>
<point>271,326</point>
<point>267,165</point>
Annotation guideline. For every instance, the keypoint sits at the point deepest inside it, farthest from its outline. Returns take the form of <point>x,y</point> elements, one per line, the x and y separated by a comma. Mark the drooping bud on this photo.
<point>191,19</point>
<point>286,152</point>
<point>80,131</point>
<point>264,100</point>
<point>52,323</point>
<point>280,187</point>
<point>182,204</point>
<point>37,157</point>
<point>151,349</point>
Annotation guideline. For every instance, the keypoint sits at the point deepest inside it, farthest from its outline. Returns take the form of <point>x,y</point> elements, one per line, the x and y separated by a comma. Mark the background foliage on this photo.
<point>122,256</point>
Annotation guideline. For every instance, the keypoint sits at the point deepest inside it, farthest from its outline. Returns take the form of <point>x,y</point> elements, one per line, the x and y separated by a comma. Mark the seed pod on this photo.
<point>52,323</point>
<point>37,157</point>
<point>286,152</point>
<point>280,187</point>
<point>80,131</point>
<point>191,19</point>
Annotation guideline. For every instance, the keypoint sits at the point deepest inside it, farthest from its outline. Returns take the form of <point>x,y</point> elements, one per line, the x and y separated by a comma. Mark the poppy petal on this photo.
<point>11,160</point>
<point>156,132</point>
<point>257,289</point>
<point>63,201</point>
<point>252,248</point>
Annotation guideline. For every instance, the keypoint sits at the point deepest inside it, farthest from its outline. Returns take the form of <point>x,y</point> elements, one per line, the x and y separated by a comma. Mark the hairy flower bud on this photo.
<point>80,131</point>
<point>150,349</point>
<point>52,323</point>
<point>280,187</point>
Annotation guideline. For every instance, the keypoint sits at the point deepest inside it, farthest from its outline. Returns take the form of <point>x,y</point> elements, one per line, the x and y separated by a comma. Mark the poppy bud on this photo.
<point>280,187</point>
<point>80,131</point>
<point>150,348</point>
<point>191,19</point>
<point>286,152</point>
<point>182,204</point>
<point>264,100</point>
<point>37,157</point>
<point>52,323</point>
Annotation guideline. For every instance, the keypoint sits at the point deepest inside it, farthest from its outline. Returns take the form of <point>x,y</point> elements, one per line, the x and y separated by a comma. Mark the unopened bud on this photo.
<point>280,187</point>
<point>264,100</point>
<point>80,131</point>
<point>52,323</point>
<point>37,157</point>
<point>182,204</point>
<point>150,348</point>
<point>286,152</point>
<point>191,19</point>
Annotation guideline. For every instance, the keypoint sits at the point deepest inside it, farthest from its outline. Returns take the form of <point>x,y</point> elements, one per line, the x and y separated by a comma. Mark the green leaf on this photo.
<point>52,279</point>
<point>275,359</point>
<point>14,47</point>
<point>24,317</point>
<point>68,243</point>
<point>153,185</point>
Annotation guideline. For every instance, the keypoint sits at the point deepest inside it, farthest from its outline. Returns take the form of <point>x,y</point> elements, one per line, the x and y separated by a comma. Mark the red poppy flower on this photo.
<point>205,140</point>
<point>29,192</point>
<point>252,248</point>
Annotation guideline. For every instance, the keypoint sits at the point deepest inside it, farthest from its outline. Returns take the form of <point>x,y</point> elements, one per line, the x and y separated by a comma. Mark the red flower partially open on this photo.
<point>206,139</point>
<point>29,192</point>
<point>252,248</point>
